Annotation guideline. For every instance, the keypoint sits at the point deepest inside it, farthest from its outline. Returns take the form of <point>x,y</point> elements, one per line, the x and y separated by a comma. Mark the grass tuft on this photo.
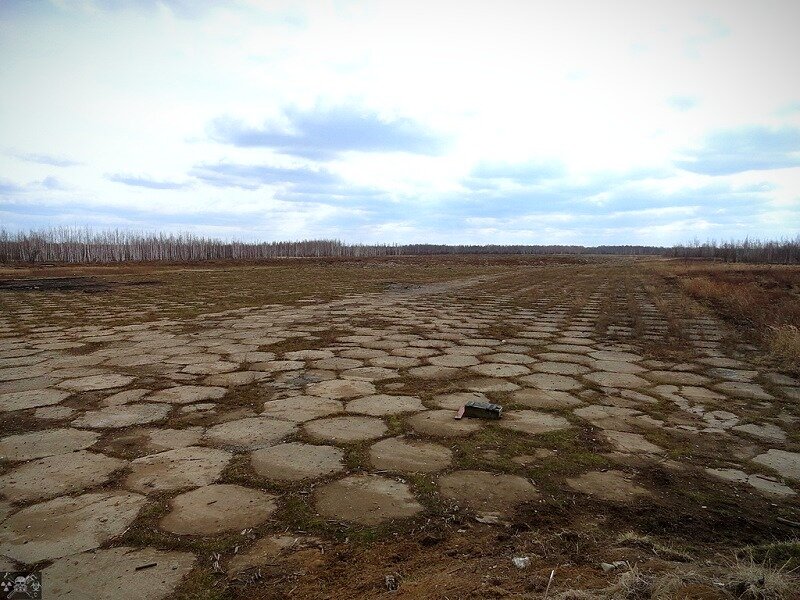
<point>784,344</point>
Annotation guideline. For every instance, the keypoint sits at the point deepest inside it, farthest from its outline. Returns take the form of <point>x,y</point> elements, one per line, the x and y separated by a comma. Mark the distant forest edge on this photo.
<point>80,245</point>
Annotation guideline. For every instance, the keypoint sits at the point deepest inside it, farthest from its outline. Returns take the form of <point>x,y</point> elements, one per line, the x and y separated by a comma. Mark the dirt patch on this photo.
<point>615,486</point>
<point>487,493</point>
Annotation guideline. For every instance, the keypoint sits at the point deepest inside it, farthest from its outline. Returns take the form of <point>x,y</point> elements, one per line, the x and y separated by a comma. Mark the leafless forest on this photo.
<point>84,245</point>
<point>785,251</point>
<point>78,245</point>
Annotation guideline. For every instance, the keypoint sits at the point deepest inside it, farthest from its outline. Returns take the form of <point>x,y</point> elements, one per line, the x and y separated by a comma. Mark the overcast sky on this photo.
<point>591,122</point>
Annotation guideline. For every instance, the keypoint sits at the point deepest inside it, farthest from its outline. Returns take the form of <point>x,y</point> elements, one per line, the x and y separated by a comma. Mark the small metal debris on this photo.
<point>489,519</point>
<point>216,567</point>
<point>521,562</point>
<point>392,585</point>
<point>482,410</point>
<point>147,566</point>
<point>612,566</point>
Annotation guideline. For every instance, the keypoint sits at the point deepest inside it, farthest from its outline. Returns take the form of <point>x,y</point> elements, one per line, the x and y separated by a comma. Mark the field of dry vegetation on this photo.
<point>284,428</point>
<point>762,302</point>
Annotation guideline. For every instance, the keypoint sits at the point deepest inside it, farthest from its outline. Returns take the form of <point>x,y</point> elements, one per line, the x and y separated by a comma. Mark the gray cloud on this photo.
<point>752,148</point>
<point>146,182</point>
<point>254,176</point>
<point>324,133</point>
<point>47,159</point>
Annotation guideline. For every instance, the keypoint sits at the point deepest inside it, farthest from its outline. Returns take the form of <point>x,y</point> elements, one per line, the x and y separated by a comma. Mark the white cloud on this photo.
<point>601,88</point>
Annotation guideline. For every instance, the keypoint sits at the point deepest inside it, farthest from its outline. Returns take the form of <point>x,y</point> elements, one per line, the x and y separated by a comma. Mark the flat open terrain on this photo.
<point>285,430</point>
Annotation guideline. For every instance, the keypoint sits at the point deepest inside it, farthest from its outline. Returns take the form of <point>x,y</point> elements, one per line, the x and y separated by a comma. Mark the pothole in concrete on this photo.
<point>295,461</point>
<point>610,485</point>
<point>149,573</point>
<point>217,508</point>
<point>48,442</point>
<point>402,454</point>
<point>383,404</point>
<point>192,466</point>
<point>67,525</point>
<point>367,499</point>
<point>346,429</point>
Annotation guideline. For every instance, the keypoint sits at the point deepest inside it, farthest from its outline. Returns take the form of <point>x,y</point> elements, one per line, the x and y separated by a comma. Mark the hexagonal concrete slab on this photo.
<point>217,508</point>
<point>366,499</point>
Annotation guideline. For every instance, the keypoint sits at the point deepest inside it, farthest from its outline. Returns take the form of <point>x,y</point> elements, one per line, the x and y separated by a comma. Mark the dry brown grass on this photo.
<point>784,344</point>
<point>750,580</point>
<point>763,303</point>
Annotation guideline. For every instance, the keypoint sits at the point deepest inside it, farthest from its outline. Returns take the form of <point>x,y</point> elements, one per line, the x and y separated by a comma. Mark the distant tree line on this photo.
<point>83,245</point>
<point>785,251</point>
